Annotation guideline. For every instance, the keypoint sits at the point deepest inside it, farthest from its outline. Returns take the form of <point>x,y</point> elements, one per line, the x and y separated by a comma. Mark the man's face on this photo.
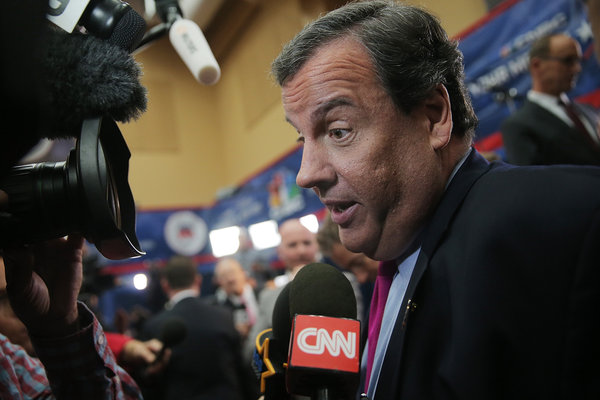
<point>372,165</point>
<point>559,71</point>
<point>298,245</point>
<point>232,279</point>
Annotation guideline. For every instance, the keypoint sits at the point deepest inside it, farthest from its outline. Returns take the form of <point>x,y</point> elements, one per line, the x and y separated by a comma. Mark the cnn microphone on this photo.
<point>323,357</point>
<point>111,20</point>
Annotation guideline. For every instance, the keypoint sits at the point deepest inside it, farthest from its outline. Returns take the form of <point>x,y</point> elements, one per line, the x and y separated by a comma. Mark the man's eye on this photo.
<point>339,133</point>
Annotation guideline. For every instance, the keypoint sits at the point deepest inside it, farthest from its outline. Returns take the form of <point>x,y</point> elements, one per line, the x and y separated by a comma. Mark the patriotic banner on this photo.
<point>270,195</point>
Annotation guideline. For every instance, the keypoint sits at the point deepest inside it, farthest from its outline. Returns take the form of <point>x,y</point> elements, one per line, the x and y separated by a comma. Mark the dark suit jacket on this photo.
<point>532,135</point>
<point>505,294</point>
<point>207,364</point>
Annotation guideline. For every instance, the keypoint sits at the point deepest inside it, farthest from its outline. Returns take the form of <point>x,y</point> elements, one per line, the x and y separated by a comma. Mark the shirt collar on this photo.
<point>458,165</point>
<point>177,297</point>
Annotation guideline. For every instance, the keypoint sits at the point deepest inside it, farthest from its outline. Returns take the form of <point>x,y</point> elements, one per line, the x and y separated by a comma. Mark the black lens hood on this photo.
<point>87,194</point>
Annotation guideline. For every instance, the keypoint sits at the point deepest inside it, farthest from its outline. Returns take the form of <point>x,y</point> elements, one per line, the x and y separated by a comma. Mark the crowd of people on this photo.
<point>474,279</point>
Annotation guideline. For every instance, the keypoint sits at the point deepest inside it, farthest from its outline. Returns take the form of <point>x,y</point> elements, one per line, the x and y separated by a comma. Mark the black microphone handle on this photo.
<point>321,394</point>
<point>160,355</point>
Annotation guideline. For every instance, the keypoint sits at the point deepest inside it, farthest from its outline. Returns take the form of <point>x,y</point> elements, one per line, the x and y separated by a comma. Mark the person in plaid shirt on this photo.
<point>74,359</point>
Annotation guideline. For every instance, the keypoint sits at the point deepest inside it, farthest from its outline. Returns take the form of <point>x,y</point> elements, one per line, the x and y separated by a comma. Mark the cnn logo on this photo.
<point>322,341</point>
<point>319,341</point>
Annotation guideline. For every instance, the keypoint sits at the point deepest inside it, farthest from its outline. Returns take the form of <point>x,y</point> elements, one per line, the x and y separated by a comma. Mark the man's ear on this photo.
<point>439,113</point>
<point>198,281</point>
<point>534,63</point>
<point>164,285</point>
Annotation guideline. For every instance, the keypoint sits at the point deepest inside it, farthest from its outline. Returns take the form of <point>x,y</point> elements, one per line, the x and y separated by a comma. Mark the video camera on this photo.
<point>88,193</point>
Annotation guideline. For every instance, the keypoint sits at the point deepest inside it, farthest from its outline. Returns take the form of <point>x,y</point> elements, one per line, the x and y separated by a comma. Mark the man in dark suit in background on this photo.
<point>550,128</point>
<point>207,364</point>
<point>489,286</point>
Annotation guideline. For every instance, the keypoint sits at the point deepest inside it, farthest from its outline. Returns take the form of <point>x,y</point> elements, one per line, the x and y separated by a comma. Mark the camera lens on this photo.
<point>42,201</point>
<point>86,194</point>
<point>112,197</point>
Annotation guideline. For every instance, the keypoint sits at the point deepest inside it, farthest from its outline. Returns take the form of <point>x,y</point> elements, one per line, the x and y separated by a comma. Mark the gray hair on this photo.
<point>410,51</point>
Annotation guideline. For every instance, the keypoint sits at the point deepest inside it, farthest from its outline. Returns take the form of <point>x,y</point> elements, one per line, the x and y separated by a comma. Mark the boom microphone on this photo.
<point>189,42</point>
<point>111,20</point>
<point>86,77</point>
<point>323,358</point>
<point>270,355</point>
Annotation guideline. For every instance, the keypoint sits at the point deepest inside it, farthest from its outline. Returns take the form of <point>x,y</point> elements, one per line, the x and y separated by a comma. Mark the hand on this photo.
<point>145,354</point>
<point>136,353</point>
<point>243,329</point>
<point>43,281</point>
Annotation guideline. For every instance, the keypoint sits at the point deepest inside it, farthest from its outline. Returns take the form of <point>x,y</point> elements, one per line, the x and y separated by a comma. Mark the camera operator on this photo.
<point>43,281</point>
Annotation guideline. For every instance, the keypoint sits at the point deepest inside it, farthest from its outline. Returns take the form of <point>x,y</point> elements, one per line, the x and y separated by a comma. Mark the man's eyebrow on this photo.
<point>333,103</point>
<point>325,107</point>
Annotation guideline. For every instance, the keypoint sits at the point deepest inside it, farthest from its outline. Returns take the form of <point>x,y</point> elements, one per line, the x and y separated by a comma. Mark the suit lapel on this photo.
<point>540,114</point>
<point>473,168</point>
<point>592,119</point>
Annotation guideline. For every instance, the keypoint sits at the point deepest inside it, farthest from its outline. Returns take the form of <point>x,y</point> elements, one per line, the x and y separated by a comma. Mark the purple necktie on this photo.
<point>387,269</point>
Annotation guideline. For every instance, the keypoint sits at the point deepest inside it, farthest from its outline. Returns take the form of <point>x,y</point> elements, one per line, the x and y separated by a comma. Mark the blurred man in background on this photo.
<point>298,247</point>
<point>235,292</point>
<point>551,128</point>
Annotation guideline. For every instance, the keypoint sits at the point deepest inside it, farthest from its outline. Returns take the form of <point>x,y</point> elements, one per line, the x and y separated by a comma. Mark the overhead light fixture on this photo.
<point>140,281</point>
<point>264,235</point>
<point>225,241</point>
<point>311,222</point>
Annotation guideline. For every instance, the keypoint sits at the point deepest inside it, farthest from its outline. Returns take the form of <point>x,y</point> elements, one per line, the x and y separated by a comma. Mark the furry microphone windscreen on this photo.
<point>87,77</point>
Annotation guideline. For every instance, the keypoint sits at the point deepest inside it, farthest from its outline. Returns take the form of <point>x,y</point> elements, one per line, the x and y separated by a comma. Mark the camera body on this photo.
<point>87,194</point>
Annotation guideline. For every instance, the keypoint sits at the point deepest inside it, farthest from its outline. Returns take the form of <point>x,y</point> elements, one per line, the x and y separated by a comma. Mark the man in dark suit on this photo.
<point>489,286</point>
<point>207,364</point>
<point>550,128</point>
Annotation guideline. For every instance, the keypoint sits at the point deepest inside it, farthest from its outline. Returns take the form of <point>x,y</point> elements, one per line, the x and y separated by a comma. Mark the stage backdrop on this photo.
<point>495,51</point>
<point>272,194</point>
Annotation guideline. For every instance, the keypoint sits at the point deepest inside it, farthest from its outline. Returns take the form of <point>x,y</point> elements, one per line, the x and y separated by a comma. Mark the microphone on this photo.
<point>270,355</point>
<point>173,332</point>
<point>191,45</point>
<point>189,42</point>
<point>86,77</point>
<point>323,358</point>
<point>87,84</point>
<point>111,20</point>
